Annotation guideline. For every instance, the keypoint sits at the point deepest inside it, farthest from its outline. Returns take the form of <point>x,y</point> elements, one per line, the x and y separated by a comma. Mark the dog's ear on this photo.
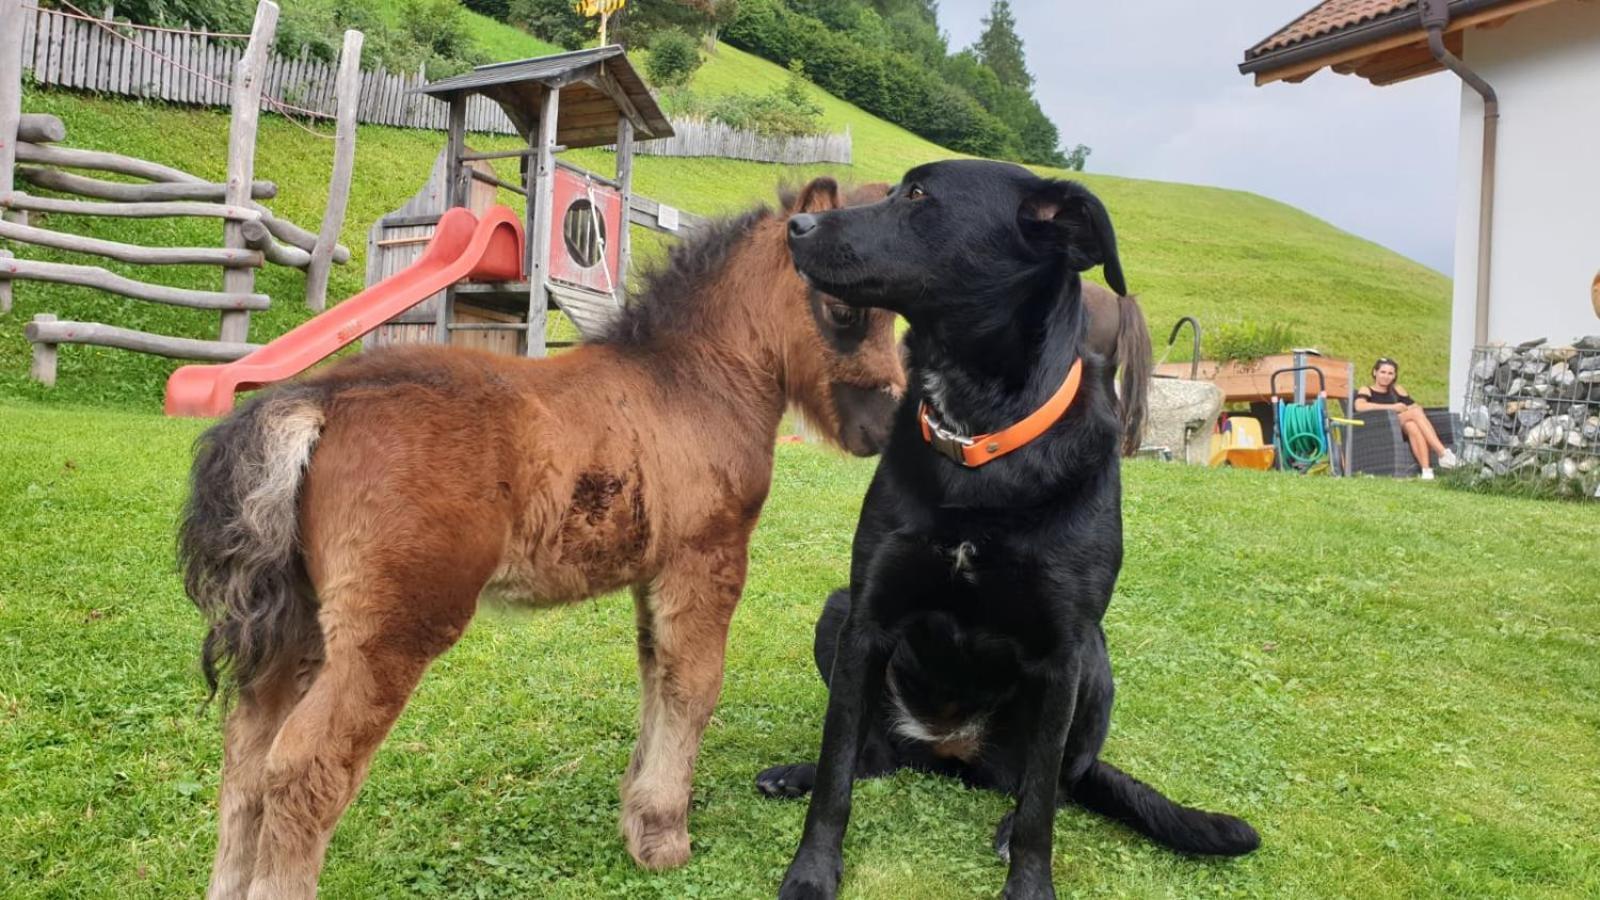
<point>819,194</point>
<point>1072,218</point>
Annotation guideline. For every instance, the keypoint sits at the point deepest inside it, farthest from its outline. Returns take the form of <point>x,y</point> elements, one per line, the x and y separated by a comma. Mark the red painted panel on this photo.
<point>573,240</point>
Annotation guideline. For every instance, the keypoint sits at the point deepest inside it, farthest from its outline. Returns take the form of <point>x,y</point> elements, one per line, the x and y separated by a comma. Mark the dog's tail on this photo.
<point>238,543</point>
<point>1134,355</point>
<point>1114,794</point>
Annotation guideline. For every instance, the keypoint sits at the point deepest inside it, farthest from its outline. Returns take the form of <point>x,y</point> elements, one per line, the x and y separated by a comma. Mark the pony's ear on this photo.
<point>819,194</point>
<point>1073,219</point>
<point>866,194</point>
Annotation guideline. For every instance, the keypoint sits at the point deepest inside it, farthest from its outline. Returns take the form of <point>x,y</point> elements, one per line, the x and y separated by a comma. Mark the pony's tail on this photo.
<point>1133,352</point>
<point>1112,793</point>
<point>238,543</point>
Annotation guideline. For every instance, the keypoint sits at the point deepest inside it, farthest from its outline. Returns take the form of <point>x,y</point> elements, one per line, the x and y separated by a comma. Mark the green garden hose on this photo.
<point>1300,428</point>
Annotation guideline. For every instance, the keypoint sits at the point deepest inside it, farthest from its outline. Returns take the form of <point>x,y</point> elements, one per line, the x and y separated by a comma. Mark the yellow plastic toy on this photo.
<point>1239,445</point>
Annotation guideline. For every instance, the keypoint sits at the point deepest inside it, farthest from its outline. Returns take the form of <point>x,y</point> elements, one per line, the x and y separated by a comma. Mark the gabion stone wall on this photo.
<point>1533,412</point>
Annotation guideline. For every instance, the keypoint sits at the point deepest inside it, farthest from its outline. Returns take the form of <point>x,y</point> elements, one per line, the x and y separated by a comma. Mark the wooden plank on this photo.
<point>58,39</point>
<point>11,15</point>
<point>40,331</point>
<point>30,34</point>
<point>101,279</point>
<point>5,282</point>
<point>624,187</point>
<point>34,48</point>
<point>133,253</point>
<point>344,163</point>
<point>540,197</point>
<point>135,193</point>
<point>119,67</point>
<point>409,221</point>
<point>164,68</point>
<point>242,157</point>
<point>20,200</point>
<point>73,58</point>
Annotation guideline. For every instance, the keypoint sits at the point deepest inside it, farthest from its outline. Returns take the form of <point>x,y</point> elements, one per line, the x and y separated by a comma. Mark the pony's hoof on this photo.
<point>657,842</point>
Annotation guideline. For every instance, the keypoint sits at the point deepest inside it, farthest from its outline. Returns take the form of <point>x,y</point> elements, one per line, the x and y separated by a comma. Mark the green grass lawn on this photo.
<point>1398,685</point>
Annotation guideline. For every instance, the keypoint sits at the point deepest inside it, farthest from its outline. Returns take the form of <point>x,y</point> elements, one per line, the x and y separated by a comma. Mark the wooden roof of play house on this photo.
<point>597,87</point>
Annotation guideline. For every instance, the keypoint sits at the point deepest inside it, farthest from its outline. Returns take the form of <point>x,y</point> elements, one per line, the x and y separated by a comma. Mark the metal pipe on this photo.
<point>1194,361</point>
<point>1435,17</point>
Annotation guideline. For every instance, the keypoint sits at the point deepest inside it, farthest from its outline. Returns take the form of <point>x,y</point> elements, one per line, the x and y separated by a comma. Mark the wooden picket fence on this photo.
<point>698,137</point>
<point>195,67</point>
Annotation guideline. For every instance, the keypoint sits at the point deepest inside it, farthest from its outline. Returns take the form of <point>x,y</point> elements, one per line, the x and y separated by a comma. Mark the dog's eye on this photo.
<point>915,192</point>
<point>841,316</point>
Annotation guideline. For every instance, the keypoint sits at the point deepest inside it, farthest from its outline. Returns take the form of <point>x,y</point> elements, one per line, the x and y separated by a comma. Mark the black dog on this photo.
<point>970,641</point>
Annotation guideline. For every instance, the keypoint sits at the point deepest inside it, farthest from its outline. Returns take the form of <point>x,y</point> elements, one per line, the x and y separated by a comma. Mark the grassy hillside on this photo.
<point>1216,254</point>
<point>1398,719</point>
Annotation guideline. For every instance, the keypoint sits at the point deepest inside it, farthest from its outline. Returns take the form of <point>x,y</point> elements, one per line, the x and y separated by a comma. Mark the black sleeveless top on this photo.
<point>1389,396</point>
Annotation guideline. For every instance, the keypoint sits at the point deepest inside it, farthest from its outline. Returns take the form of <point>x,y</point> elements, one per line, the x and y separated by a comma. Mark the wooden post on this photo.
<point>540,200</point>
<point>43,369</point>
<point>344,165</point>
<point>455,176</point>
<point>625,187</point>
<point>242,158</point>
<point>10,88</point>
<point>5,283</point>
<point>457,191</point>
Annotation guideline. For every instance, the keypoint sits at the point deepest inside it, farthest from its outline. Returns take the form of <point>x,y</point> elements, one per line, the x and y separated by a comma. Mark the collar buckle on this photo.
<point>946,442</point>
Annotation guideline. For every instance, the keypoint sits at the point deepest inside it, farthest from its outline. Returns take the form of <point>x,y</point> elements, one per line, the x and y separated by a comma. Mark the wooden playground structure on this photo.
<point>575,221</point>
<point>252,235</point>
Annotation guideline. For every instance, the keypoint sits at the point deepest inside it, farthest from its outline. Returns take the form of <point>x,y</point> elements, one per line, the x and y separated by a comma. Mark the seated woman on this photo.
<point>1384,395</point>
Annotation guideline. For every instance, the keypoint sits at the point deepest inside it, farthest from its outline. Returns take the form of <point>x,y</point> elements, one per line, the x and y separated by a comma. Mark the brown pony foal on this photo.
<point>342,528</point>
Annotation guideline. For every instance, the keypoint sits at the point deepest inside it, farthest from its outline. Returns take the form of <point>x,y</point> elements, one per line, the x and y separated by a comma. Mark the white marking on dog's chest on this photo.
<point>962,742</point>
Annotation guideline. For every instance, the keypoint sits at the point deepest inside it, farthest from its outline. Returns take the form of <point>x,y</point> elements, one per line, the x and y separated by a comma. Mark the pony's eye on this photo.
<point>841,316</point>
<point>915,192</point>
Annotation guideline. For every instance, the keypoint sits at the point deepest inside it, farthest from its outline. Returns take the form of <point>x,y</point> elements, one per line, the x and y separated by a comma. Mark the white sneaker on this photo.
<point>1448,460</point>
<point>1427,475</point>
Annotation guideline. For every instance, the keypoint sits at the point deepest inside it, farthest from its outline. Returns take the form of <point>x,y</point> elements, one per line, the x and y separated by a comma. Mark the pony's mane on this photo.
<point>675,291</point>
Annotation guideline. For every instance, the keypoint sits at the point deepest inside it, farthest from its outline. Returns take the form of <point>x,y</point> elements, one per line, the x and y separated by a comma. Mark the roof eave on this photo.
<point>1402,23</point>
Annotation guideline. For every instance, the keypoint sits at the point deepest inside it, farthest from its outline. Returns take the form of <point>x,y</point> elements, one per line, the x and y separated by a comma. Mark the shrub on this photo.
<point>1248,340</point>
<point>674,57</point>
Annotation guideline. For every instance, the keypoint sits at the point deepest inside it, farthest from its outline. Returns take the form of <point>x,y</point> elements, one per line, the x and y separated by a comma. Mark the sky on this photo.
<point>1153,87</point>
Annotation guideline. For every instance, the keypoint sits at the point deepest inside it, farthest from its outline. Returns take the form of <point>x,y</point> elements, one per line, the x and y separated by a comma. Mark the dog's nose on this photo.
<point>802,224</point>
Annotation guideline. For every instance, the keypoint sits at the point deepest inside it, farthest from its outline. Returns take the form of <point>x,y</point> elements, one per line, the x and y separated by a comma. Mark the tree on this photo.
<point>1001,49</point>
<point>1077,156</point>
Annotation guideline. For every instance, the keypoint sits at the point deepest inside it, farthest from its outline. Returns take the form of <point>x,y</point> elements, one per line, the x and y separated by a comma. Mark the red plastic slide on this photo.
<point>462,248</point>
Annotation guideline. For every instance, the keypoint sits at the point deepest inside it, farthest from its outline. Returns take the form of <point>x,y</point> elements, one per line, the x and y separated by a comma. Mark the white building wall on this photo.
<point>1545,67</point>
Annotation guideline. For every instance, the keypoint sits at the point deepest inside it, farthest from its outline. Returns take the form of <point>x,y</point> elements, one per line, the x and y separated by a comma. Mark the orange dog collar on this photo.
<point>976,450</point>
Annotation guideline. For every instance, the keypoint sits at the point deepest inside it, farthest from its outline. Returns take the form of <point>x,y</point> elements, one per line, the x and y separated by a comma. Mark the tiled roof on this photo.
<point>1326,18</point>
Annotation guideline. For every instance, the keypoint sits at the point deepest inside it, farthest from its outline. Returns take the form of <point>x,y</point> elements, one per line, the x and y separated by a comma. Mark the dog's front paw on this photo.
<point>787,781</point>
<point>811,879</point>
<point>1002,836</point>
<point>1029,886</point>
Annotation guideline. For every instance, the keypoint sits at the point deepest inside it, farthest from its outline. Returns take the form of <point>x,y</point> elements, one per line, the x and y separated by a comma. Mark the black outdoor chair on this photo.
<point>1378,447</point>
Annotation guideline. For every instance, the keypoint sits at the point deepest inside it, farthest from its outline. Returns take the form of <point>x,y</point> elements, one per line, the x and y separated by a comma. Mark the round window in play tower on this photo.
<point>583,232</point>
